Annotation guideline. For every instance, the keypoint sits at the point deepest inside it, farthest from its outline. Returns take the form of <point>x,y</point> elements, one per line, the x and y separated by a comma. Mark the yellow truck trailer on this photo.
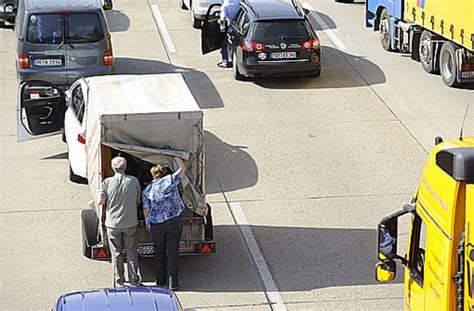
<point>438,33</point>
<point>439,260</point>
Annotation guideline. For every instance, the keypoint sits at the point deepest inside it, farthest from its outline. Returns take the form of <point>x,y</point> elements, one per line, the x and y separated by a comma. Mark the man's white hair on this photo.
<point>119,164</point>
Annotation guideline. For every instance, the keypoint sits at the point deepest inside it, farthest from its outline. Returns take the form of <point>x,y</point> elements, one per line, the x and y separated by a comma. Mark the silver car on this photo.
<point>61,41</point>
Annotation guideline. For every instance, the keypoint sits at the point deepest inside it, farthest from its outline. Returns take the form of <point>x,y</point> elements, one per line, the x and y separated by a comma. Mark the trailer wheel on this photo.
<point>427,52</point>
<point>448,64</point>
<point>90,225</point>
<point>385,34</point>
<point>209,228</point>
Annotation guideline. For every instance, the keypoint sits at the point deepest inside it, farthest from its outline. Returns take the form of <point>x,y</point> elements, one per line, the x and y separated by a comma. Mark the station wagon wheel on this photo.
<point>235,69</point>
<point>384,30</point>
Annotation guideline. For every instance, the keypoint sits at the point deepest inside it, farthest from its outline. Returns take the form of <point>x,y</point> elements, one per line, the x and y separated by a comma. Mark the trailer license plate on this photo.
<point>145,250</point>
<point>283,55</point>
<point>44,62</point>
<point>467,74</point>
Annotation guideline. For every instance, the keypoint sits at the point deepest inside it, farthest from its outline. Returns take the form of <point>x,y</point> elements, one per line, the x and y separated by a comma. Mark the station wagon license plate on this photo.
<point>44,62</point>
<point>145,250</point>
<point>283,55</point>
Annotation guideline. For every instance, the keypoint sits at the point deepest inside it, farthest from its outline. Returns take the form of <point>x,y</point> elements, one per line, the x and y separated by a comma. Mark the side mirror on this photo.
<point>306,11</point>
<point>107,5</point>
<point>386,271</point>
<point>438,140</point>
<point>387,242</point>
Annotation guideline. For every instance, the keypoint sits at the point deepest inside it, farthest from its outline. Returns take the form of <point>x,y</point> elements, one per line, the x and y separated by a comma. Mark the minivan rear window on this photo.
<point>48,28</point>
<point>84,27</point>
<point>279,30</point>
<point>45,28</point>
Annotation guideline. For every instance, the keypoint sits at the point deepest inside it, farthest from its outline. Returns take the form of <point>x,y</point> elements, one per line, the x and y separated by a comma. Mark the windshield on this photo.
<point>48,28</point>
<point>280,30</point>
<point>45,28</point>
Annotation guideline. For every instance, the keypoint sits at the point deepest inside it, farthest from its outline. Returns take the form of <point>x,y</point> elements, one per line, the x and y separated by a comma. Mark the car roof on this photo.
<point>130,298</point>
<point>273,9</point>
<point>49,5</point>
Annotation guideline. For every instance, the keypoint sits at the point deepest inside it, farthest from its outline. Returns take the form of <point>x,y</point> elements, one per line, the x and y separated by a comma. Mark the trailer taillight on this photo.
<point>108,58</point>
<point>206,248</point>
<point>81,138</point>
<point>23,61</point>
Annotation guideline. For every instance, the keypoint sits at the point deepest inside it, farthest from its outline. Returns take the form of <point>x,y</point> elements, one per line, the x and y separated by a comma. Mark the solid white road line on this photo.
<point>327,31</point>
<point>271,291</point>
<point>160,24</point>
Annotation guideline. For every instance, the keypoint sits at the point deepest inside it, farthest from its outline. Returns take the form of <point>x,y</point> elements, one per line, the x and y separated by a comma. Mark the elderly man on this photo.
<point>121,194</point>
<point>229,10</point>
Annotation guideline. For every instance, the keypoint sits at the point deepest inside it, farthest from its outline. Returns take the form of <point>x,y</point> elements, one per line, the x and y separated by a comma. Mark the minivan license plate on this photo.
<point>283,55</point>
<point>48,62</point>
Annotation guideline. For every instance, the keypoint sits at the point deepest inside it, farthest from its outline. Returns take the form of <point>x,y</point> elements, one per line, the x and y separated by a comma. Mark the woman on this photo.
<point>162,208</point>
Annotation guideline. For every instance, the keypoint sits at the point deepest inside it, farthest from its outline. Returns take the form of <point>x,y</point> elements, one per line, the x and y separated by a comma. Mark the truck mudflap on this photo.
<point>194,241</point>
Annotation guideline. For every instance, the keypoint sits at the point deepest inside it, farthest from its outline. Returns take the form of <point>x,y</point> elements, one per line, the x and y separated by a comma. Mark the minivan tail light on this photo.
<point>82,138</point>
<point>313,44</point>
<point>250,46</point>
<point>108,58</point>
<point>23,61</point>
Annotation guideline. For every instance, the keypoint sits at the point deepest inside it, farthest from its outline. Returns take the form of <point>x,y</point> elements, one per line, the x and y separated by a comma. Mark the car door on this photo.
<point>211,35</point>
<point>74,128</point>
<point>40,110</point>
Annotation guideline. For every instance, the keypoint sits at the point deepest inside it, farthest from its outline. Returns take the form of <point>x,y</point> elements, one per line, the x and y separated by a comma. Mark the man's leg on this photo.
<point>224,52</point>
<point>159,235</point>
<point>174,229</point>
<point>130,243</point>
<point>115,245</point>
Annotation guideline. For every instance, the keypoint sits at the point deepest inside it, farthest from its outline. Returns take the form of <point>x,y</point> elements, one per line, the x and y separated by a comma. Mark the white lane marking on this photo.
<point>327,31</point>
<point>271,290</point>
<point>160,24</point>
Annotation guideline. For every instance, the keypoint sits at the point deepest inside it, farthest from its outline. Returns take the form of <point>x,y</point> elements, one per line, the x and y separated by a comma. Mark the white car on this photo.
<point>198,9</point>
<point>40,110</point>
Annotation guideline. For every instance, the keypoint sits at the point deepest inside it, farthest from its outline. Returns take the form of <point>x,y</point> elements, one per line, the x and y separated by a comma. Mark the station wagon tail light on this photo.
<point>311,44</point>
<point>250,46</point>
<point>82,138</point>
<point>23,61</point>
<point>467,67</point>
<point>108,58</point>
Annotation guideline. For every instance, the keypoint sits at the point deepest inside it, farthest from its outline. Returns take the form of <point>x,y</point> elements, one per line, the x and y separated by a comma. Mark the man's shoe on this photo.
<point>119,285</point>
<point>224,65</point>
<point>175,288</point>
<point>136,284</point>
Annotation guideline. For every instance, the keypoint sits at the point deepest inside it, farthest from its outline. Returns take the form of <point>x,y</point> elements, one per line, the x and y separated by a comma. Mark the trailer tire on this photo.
<point>385,34</point>
<point>448,64</point>
<point>90,225</point>
<point>75,178</point>
<point>427,52</point>
<point>209,228</point>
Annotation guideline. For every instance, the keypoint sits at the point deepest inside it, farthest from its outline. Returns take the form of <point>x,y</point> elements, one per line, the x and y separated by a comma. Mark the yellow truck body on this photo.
<point>453,19</point>
<point>439,264</point>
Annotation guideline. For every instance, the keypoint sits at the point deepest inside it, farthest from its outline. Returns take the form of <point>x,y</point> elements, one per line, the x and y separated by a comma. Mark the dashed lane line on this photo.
<point>326,30</point>
<point>160,24</point>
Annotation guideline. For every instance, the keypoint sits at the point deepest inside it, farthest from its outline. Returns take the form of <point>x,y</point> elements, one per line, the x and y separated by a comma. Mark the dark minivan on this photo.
<point>61,41</point>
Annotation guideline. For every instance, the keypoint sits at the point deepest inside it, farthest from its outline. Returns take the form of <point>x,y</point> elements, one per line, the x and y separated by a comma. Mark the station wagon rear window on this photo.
<point>280,30</point>
<point>45,28</point>
<point>49,28</point>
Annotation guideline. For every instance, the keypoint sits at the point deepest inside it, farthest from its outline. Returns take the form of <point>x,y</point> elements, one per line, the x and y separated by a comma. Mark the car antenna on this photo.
<point>464,121</point>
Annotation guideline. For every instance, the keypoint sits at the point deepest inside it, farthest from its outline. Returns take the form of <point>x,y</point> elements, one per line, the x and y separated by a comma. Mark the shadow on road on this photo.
<point>228,167</point>
<point>314,17</point>
<point>117,21</point>
<point>200,85</point>
<point>300,259</point>
<point>59,156</point>
<point>339,70</point>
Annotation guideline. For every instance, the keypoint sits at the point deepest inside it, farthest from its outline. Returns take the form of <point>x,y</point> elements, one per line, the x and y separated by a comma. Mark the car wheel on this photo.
<point>317,73</point>
<point>75,178</point>
<point>194,21</point>
<point>448,64</point>
<point>384,30</point>
<point>235,68</point>
<point>426,50</point>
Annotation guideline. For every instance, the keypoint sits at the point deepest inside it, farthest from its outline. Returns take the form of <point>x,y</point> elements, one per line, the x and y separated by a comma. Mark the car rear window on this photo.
<point>278,30</point>
<point>84,27</point>
<point>45,28</point>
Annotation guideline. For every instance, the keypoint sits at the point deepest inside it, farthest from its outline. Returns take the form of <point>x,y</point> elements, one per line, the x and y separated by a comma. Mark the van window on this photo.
<point>84,27</point>
<point>279,30</point>
<point>418,250</point>
<point>45,28</point>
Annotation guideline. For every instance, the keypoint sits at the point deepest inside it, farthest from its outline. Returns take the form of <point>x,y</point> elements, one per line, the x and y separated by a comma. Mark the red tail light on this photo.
<point>467,67</point>
<point>23,61</point>
<point>313,44</point>
<point>207,248</point>
<point>108,58</point>
<point>82,138</point>
<point>250,46</point>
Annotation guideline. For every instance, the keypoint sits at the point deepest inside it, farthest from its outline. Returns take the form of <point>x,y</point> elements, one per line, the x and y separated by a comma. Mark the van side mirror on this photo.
<point>386,271</point>
<point>107,5</point>
<point>387,242</point>
<point>306,11</point>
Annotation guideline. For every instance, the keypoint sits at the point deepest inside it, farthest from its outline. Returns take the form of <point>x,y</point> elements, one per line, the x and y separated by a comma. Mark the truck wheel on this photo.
<point>75,178</point>
<point>448,64</point>
<point>384,30</point>
<point>90,227</point>
<point>427,55</point>
<point>209,229</point>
